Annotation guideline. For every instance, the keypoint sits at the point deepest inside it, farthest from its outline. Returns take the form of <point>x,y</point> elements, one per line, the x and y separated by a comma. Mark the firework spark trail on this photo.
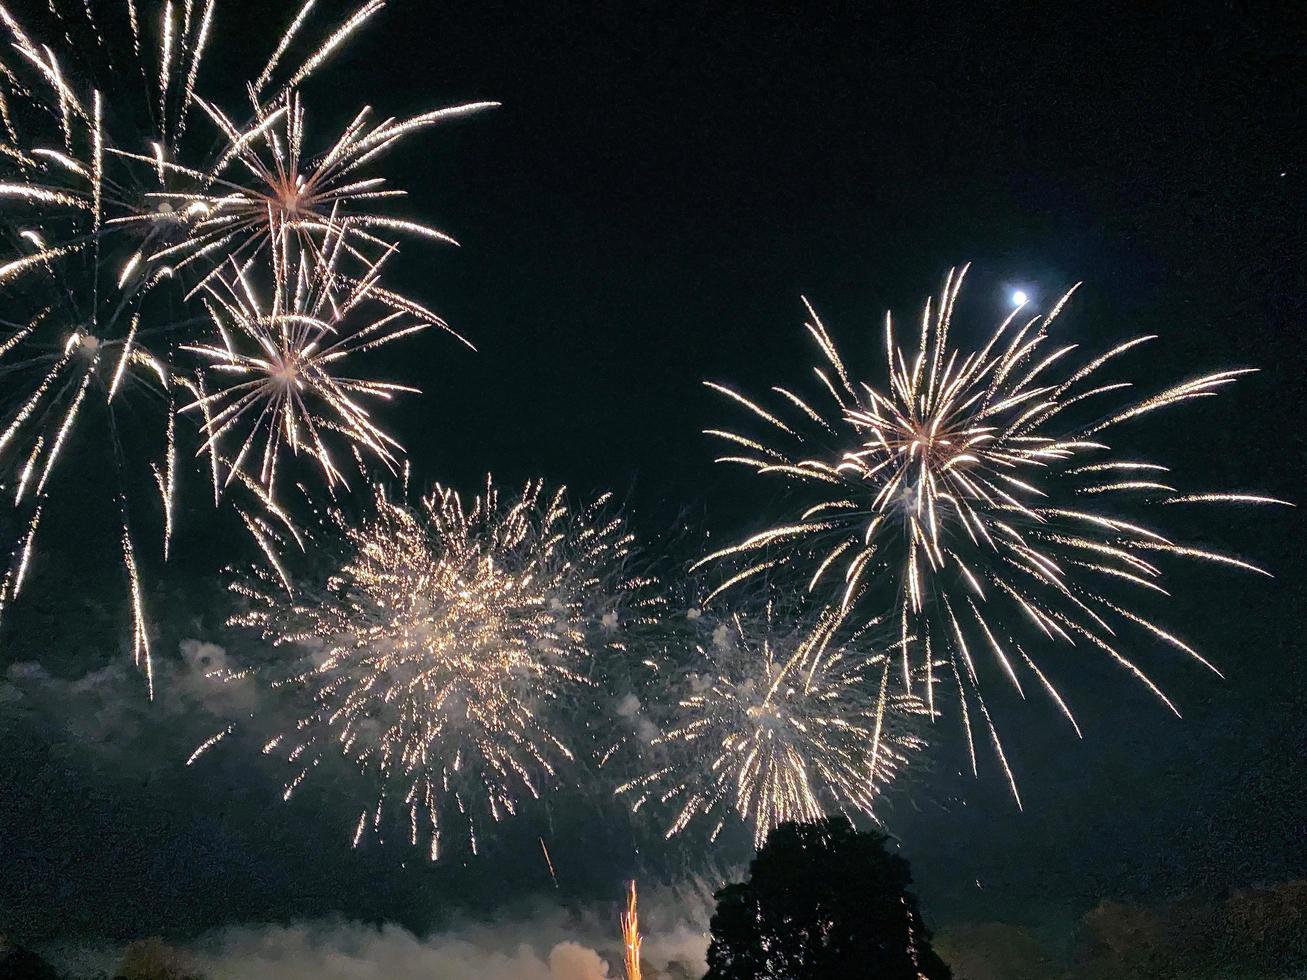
<point>967,494</point>
<point>912,938</point>
<point>207,744</point>
<point>549,862</point>
<point>779,720</point>
<point>446,644</point>
<point>631,938</point>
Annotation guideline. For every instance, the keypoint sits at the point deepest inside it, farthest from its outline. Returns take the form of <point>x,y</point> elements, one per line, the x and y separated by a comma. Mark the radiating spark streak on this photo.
<point>333,42</point>
<point>26,475</point>
<point>763,539</point>
<point>128,269</point>
<point>207,744</point>
<point>1234,498</point>
<point>25,552</point>
<point>827,562</point>
<point>549,862</point>
<point>140,629</point>
<point>168,480</point>
<point>165,58</point>
<point>125,356</point>
<point>1194,388</point>
<point>53,456</point>
<point>1100,467</point>
<point>1164,635</point>
<point>1052,692</point>
<point>739,577</point>
<point>750,406</point>
<point>11,270</point>
<point>282,45</point>
<point>1199,553</point>
<point>1002,757</point>
<point>880,723</point>
<point>742,441</point>
<point>1127,485</point>
<point>960,472</point>
<point>42,194</point>
<point>188,91</point>
<point>266,545</point>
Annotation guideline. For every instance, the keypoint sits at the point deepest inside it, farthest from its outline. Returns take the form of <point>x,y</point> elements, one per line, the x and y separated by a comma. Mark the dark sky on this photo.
<point>660,186</point>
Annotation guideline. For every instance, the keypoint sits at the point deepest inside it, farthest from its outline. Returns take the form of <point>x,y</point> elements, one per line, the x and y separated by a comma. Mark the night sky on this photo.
<point>660,187</point>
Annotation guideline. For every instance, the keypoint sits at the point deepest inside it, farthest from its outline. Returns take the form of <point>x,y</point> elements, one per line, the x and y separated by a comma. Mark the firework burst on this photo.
<point>94,175</point>
<point>315,198</point>
<point>974,495</point>
<point>446,644</point>
<point>125,209</point>
<point>274,376</point>
<point>778,719</point>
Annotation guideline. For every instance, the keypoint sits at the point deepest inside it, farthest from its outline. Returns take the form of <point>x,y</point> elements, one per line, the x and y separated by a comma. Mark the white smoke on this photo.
<point>536,949</point>
<point>352,951</point>
<point>201,678</point>
<point>106,715</point>
<point>629,707</point>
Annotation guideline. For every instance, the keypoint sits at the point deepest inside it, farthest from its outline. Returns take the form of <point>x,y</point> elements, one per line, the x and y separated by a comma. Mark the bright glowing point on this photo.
<point>1019,298</point>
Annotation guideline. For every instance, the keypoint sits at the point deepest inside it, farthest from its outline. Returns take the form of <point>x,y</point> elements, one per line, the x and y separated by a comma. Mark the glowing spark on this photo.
<point>1235,498</point>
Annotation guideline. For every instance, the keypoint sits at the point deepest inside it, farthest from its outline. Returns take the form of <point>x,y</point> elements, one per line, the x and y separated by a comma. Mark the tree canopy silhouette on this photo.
<point>20,963</point>
<point>823,901</point>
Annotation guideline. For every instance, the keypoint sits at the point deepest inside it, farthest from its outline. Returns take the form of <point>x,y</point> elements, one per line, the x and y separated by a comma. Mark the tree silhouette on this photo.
<point>823,902</point>
<point>1251,933</point>
<point>19,963</point>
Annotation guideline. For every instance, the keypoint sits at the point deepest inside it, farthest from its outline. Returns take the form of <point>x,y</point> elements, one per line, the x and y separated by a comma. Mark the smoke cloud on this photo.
<point>104,723</point>
<point>536,949</point>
